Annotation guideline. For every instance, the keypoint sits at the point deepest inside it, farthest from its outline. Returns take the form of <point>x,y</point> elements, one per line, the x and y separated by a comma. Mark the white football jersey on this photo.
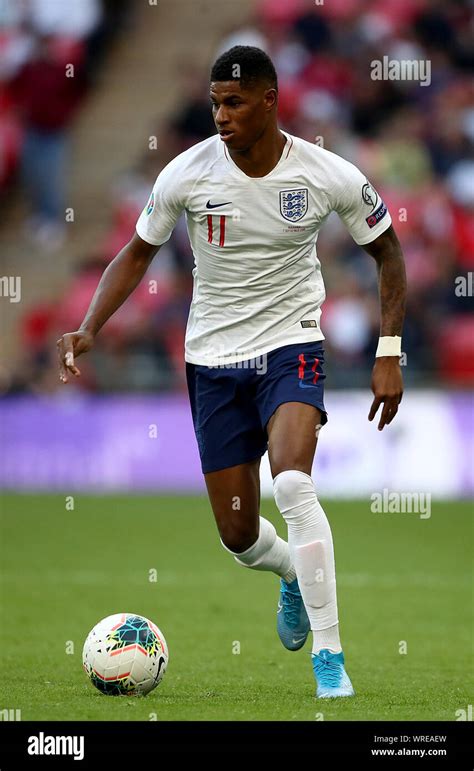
<point>257,278</point>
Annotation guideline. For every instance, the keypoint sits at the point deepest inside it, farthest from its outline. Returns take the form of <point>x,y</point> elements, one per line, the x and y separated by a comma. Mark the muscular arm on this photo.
<point>387,381</point>
<point>387,253</point>
<point>118,281</point>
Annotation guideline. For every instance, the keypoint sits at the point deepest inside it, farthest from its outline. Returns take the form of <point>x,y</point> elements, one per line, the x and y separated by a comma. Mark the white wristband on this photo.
<point>389,346</point>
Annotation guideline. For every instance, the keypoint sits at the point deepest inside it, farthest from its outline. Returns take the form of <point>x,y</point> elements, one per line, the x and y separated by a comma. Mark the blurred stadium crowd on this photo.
<point>413,141</point>
<point>50,54</point>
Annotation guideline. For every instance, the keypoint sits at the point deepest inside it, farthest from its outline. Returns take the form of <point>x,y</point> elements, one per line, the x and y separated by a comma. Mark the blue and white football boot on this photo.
<point>331,677</point>
<point>292,619</point>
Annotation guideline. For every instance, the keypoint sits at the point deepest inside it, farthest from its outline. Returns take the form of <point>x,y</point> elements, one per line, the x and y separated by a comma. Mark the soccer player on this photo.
<point>255,198</point>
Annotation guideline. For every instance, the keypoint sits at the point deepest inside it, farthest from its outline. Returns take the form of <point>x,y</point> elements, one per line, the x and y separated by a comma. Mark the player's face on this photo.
<point>241,114</point>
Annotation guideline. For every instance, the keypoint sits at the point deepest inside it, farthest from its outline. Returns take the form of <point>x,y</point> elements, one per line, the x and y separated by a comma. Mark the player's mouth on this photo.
<point>225,135</point>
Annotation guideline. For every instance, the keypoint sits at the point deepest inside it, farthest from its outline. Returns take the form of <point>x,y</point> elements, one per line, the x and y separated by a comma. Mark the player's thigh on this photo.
<point>292,437</point>
<point>234,494</point>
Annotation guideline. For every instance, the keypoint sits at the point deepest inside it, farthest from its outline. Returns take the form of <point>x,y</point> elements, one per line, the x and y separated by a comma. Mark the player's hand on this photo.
<point>70,346</point>
<point>387,387</point>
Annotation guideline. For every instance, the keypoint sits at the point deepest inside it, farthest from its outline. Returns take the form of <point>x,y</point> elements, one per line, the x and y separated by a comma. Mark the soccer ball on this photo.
<point>125,655</point>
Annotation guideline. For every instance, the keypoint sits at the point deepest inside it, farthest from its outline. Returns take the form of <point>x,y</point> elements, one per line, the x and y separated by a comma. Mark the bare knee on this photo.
<point>238,537</point>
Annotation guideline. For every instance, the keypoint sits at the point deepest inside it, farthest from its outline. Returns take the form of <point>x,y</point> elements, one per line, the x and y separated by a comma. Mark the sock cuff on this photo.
<point>292,471</point>
<point>266,536</point>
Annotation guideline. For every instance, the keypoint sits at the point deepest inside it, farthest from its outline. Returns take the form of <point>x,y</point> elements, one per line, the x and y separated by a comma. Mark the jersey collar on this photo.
<point>284,155</point>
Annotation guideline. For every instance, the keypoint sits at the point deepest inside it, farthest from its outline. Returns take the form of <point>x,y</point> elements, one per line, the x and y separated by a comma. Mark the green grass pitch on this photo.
<point>402,582</point>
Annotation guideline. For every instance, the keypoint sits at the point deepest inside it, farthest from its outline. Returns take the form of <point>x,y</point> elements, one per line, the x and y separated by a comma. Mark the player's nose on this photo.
<point>221,118</point>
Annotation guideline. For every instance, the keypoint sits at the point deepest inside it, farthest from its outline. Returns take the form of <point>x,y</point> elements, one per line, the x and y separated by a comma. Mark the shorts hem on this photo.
<point>301,400</point>
<point>211,467</point>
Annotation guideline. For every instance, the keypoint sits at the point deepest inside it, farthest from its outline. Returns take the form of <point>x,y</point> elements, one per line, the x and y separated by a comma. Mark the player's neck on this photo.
<point>263,156</point>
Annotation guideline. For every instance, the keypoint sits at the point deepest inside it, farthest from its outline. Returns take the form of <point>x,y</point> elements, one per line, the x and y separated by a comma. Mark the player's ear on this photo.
<point>270,97</point>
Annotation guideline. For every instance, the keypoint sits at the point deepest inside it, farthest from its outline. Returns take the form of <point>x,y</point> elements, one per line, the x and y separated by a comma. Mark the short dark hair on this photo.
<point>253,65</point>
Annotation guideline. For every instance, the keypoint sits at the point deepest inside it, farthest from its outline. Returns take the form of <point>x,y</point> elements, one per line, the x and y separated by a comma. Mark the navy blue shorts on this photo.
<point>231,406</point>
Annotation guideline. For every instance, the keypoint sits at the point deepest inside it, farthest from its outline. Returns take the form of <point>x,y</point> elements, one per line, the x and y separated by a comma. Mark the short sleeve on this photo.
<point>359,205</point>
<point>165,204</point>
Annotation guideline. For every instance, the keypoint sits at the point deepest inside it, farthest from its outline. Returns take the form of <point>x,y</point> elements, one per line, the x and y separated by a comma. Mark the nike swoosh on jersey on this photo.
<point>210,205</point>
<point>307,385</point>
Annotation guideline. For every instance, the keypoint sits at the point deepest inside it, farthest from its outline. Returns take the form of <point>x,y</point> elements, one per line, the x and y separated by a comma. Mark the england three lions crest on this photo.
<point>294,203</point>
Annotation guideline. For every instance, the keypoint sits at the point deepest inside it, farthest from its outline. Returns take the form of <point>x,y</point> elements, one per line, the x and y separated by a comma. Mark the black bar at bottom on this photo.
<point>39,743</point>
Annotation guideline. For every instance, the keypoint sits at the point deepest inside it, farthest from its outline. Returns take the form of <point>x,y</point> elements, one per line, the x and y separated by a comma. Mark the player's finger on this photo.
<point>385,416</point>
<point>69,362</point>
<point>66,358</point>
<point>62,368</point>
<point>375,405</point>
<point>393,410</point>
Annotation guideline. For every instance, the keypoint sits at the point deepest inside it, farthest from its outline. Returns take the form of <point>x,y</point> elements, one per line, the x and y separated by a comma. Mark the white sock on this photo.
<point>269,552</point>
<point>327,638</point>
<point>311,549</point>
